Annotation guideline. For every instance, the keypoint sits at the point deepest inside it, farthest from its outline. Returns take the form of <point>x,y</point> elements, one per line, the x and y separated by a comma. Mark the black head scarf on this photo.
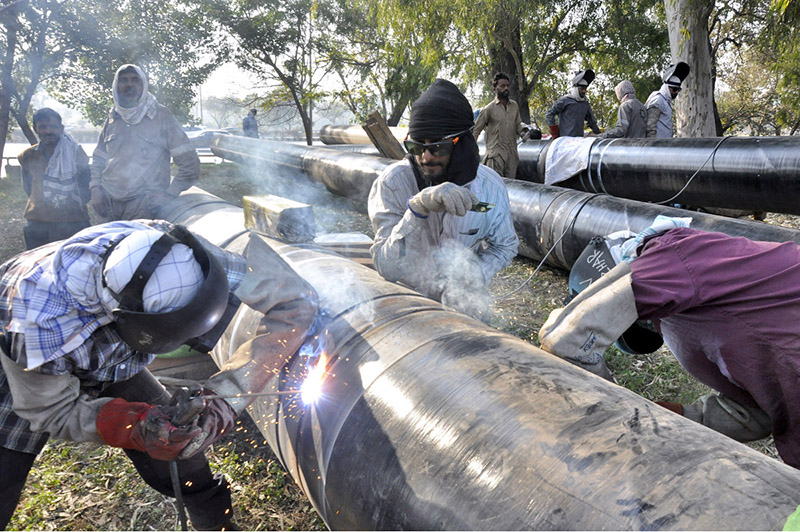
<point>441,111</point>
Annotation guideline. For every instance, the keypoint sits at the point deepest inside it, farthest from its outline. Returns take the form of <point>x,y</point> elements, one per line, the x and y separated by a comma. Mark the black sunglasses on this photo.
<point>439,148</point>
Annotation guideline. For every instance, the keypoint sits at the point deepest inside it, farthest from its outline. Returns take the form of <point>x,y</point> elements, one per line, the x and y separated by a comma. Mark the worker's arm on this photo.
<point>83,174</point>
<point>503,240</point>
<point>289,305</point>
<point>590,120</point>
<point>25,175</point>
<point>554,111</point>
<point>653,114</point>
<point>582,331</point>
<point>621,128</point>
<point>400,250</point>
<point>183,155</point>
<point>481,122</point>
<point>53,403</point>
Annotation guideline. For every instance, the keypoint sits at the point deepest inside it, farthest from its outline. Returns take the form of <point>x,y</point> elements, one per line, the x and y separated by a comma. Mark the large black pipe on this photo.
<point>542,214</point>
<point>749,173</point>
<point>430,420</point>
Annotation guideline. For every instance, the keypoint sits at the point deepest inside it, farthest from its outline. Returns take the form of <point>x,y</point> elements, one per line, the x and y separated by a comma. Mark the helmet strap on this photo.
<point>131,296</point>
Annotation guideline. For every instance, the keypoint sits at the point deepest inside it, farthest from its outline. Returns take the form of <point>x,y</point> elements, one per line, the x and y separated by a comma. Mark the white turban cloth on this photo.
<point>172,285</point>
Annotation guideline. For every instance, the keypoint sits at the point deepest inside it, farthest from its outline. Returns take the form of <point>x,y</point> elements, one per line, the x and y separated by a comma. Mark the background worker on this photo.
<point>131,163</point>
<point>573,109</point>
<point>426,235</point>
<point>55,176</point>
<point>500,118</point>
<point>726,307</point>
<point>659,103</point>
<point>82,319</point>
<point>250,125</point>
<point>631,115</point>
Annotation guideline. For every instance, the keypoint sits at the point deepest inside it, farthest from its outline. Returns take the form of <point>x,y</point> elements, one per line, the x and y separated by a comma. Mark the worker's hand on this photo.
<point>100,202</point>
<point>143,427</point>
<point>526,134</point>
<point>554,132</point>
<point>216,420</point>
<point>447,197</point>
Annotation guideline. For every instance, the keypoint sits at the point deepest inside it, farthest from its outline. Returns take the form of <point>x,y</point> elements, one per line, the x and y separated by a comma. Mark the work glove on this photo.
<point>143,427</point>
<point>100,202</point>
<point>582,331</point>
<point>554,132</point>
<point>447,197</point>
<point>215,421</point>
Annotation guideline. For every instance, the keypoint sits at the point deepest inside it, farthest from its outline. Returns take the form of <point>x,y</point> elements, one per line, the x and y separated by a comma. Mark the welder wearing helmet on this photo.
<point>727,307</point>
<point>82,319</point>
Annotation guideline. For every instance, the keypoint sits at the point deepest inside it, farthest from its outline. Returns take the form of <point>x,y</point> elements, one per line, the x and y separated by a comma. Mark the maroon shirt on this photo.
<point>729,310</point>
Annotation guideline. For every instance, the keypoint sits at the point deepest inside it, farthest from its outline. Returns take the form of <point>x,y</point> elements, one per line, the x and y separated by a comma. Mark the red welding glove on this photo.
<point>143,427</point>
<point>554,132</point>
<point>215,421</point>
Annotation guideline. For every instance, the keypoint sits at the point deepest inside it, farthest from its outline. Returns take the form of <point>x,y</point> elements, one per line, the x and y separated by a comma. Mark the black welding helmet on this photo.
<point>163,332</point>
<point>675,73</point>
<point>584,78</point>
<point>596,260</point>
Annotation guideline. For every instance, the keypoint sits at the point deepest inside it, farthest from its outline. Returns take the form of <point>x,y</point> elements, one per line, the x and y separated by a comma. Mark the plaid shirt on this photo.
<point>102,358</point>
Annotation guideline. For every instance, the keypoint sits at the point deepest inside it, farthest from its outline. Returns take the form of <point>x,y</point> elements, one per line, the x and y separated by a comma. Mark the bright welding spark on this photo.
<point>311,390</point>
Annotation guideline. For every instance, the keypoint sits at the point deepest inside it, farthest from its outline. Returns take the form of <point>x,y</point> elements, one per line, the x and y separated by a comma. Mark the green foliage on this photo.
<point>165,39</point>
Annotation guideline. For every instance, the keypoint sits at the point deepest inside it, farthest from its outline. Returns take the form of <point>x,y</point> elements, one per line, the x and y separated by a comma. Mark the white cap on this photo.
<point>174,281</point>
<point>675,81</point>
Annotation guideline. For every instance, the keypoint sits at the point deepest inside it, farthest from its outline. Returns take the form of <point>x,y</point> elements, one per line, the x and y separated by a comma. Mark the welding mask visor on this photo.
<point>164,332</point>
<point>595,261</point>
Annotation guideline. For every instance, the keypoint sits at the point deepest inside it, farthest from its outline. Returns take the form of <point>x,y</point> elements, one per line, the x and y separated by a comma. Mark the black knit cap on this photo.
<point>441,111</point>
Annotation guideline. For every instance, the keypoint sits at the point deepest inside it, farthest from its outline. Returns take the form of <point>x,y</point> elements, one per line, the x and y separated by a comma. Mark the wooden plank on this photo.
<point>382,137</point>
<point>281,218</point>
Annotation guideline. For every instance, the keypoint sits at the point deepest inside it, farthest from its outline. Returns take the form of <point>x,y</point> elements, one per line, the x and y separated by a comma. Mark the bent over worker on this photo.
<point>82,319</point>
<point>727,307</point>
<point>428,234</point>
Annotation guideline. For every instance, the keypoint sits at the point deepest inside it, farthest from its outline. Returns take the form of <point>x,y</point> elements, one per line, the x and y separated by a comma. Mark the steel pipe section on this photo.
<point>333,134</point>
<point>430,420</point>
<point>562,220</point>
<point>750,173</point>
<point>545,217</point>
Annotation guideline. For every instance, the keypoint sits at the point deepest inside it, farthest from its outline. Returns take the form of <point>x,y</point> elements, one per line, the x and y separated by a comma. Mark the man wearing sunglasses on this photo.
<point>433,228</point>
<point>659,104</point>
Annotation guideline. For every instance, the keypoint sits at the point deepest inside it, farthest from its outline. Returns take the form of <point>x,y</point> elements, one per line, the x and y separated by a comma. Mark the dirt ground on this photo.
<point>82,487</point>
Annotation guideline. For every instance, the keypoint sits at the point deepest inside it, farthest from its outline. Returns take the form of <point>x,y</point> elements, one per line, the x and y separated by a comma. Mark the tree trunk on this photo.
<point>9,23</point>
<point>687,23</point>
<point>505,54</point>
<point>397,111</point>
